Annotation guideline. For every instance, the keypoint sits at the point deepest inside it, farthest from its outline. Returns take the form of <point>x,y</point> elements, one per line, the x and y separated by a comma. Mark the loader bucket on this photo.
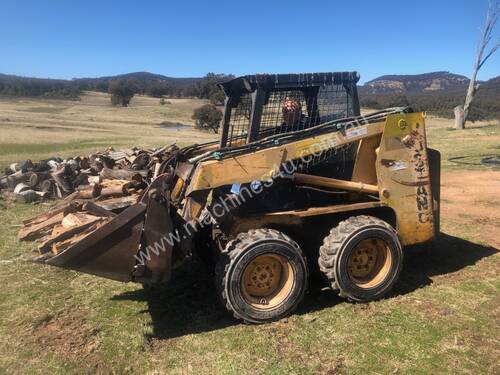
<point>111,250</point>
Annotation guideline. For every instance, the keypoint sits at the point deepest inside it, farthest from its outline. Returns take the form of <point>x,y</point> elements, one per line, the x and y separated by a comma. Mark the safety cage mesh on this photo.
<point>290,109</point>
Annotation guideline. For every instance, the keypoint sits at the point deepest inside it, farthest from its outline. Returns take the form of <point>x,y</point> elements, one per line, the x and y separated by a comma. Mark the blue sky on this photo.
<point>65,39</point>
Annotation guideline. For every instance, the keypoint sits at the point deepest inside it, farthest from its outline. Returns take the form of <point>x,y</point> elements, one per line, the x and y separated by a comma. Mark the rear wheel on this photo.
<point>261,276</point>
<point>361,258</point>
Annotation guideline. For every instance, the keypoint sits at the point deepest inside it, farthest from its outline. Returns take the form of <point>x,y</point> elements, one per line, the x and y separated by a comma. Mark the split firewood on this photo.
<point>37,230</point>
<point>70,226</point>
<point>69,198</point>
<point>77,219</point>
<point>59,178</point>
<point>112,204</point>
<point>109,183</point>
<point>44,216</point>
<point>122,174</point>
<point>97,210</point>
<point>61,245</point>
<point>81,178</point>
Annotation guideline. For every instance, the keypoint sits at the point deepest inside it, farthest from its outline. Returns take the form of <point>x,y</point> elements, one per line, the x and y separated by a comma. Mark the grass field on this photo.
<point>41,128</point>
<point>442,317</point>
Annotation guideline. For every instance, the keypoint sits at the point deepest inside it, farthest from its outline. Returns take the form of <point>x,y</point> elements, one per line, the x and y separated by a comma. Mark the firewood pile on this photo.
<point>102,174</point>
<point>92,190</point>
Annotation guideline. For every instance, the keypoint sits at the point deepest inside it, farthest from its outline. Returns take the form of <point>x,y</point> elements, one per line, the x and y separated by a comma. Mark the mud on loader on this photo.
<point>299,182</point>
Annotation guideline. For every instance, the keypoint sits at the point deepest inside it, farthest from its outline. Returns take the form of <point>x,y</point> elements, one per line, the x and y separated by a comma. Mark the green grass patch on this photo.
<point>465,149</point>
<point>438,320</point>
<point>53,110</point>
<point>34,148</point>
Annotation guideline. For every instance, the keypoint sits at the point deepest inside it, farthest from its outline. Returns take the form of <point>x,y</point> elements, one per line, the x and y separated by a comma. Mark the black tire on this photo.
<point>241,254</point>
<point>341,249</point>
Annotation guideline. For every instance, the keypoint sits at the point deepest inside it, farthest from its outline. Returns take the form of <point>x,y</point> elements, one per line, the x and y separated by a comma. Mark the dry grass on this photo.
<point>34,128</point>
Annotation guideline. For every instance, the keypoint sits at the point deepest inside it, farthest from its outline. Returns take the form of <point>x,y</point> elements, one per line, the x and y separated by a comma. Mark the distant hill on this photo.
<point>435,81</point>
<point>436,92</point>
<point>142,79</point>
<point>12,85</point>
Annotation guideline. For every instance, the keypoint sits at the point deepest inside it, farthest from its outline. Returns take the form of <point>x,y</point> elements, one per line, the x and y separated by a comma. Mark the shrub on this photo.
<point>207,117</point>
<point>122,91</point>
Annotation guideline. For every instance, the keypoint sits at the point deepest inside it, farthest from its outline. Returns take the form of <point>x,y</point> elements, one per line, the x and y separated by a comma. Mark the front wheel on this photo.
<point>361,258</point>
<point>261,276</point>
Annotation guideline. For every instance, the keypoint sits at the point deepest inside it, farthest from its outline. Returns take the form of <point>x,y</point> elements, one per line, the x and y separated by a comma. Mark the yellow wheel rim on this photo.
<point>267,281</point>
<point>369,263</point>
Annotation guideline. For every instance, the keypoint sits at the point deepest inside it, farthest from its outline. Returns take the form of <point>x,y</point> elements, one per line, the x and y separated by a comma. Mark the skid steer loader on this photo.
<point>299,182</point>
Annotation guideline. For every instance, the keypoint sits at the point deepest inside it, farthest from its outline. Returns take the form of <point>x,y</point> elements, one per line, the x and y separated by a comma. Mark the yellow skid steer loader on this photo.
<point>299,182</point>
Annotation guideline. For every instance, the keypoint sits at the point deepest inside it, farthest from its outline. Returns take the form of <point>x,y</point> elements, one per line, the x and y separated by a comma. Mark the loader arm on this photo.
<point>400,166</point>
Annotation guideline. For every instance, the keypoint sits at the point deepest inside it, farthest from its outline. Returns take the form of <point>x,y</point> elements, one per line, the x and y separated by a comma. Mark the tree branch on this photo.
<point>492,51</point>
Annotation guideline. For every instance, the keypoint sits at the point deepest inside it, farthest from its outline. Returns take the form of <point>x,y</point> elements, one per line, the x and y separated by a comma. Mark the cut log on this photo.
<point>88,191</point>
<point>81,179</point>
<point>14,179</point>
<point>95,179</point>
<point>123,174</point>
<point>109,183</point>
<point>47,186</point>
<point>113,204</point>
<point>31,179</point>
<point>20,187</point>
<point>97,210</point>
<point>118,190</point>
<point>26,196</point>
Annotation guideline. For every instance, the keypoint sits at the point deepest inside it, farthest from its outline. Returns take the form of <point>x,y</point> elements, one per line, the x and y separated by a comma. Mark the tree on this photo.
<point>399,101</point>
<point>122,90</point>
<point>462,111</point>
<point>207,88</point>
<point>207,117</point>
<point>157,89</point>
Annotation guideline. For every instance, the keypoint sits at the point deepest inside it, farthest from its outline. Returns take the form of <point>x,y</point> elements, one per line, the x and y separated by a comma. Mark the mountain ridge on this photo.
<point>404,83</point>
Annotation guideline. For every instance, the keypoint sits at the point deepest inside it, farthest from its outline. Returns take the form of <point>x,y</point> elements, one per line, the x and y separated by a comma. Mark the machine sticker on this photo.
<point>398,165</point>
<point>317,145</point>
<point>356,132</point>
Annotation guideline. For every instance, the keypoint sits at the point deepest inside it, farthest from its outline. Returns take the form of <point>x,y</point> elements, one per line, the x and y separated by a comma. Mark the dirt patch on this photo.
<point>69,335</point>
<point>471,198</point>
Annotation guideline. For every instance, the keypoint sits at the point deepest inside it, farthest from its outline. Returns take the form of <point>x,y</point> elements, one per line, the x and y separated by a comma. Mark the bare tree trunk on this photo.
<point>462,112</point>
<point>459,117</point>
